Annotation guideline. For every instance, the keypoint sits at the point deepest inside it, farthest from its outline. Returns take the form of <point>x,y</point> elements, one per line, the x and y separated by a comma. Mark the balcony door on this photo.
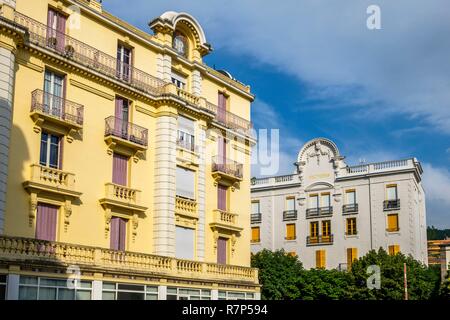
<point>118,230</point>
<point>56,29</point>
<point>124,56</point>
<point>46,219</point>
<point>222,197</point>
<point>222,108</point>
<point>120,169</point>
<point>122,115</point>
<point>54,92</point>
<point>222,153</point>
<point>222,247</point>
<point>51,151</point>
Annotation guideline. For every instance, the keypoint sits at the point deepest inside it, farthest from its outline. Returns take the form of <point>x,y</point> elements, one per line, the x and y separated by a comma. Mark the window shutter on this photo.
<point>222,250</point>
<point>318,259</point>
<point>290,231</point>
<point>255,234</point>
<point>61,149</point>
<point>396,249</point>
<point>185,183</point>
<point>186,125</point>
<point>46,222</point>
<point>222,197</point>
<point>392,222</point>
<point>120,169</point>
<point>185,239</point>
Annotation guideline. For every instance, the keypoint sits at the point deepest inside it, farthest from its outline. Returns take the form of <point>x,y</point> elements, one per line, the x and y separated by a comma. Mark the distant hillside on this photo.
<point>436,234</point>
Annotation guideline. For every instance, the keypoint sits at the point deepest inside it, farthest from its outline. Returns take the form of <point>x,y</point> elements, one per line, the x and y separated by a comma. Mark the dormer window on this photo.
<point>180,44</point>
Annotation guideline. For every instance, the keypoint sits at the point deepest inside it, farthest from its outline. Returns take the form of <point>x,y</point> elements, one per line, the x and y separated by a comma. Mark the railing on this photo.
<point>227,166</point>
<point>189,97</point>
<point>186,207</point>
<point>25,249</point>
<point>381,166</point>
<point>286,179</point>
<point>289,215</point>
<point>391,204</point>
<point>56,107</point>
<point>319,212</point>
<point>126,130</point>
<point>229,119</point>
<point>88,56</point>
<point>224,217</point>
<point>256,218</point>
<point>122,194</point>
<point>350,208</point>
<point>318,240</point>
<point>52,177</point>
<point>186,144</point>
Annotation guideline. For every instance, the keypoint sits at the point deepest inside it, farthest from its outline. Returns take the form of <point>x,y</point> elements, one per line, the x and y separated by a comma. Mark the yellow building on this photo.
<point>115,151</point>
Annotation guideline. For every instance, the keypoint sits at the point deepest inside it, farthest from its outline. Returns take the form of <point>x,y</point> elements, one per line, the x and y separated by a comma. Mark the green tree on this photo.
<point>422,281</point>
<point>321,284</point>
<point>444,292</point>
<point>279,273</point>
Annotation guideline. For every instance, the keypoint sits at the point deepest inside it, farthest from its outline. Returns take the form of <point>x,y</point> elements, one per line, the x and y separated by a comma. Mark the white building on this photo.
<point>329,213</point>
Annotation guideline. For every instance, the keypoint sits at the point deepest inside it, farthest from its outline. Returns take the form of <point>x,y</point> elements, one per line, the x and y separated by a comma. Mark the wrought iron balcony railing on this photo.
<point>391,204</point>
<point>88,56</point>
<point>56,107</point>
<point>229,119</point>
<point>119,128</point>
<point>319,240</point>
<point>289,215</point>
<point>319,212</point>
<point>350,208</point>
<point>227,166</point>
<point>256,218</point>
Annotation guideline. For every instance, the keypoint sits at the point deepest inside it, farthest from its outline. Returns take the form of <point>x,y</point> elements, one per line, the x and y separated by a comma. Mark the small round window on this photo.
<point>180,44</point>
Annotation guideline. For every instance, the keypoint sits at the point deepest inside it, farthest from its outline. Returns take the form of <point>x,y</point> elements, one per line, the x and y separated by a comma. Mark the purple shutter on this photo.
<point>114,231</point>
<point>118,114</point>
<point>46,222</point>
<point>222,197</point>
<point>120,168</point>
<point>222,108</point>
<point>51,16</point>
<point>61,150</point>
<point>222,251</point>
<point>61,31</point>
<point>122,234</point>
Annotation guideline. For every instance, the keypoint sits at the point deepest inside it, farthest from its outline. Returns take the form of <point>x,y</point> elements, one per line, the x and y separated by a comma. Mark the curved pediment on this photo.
<point>318,186</point>
<point>318,148</point>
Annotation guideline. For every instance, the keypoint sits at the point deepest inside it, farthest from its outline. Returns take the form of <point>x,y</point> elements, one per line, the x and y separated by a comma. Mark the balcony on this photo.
<point>289,215</point>
<point>128,137</point>
<point>319,240</point>
<point>88,56</point>
<point>224,220</point>
<point>51,180</point>
<point>226,170</point>
<point>26,251</point>
<point>391,205</point>
<point>58,112</point>
<point>255,218</point>
<point>187,152</point>
<point>186,207</point>
<point>230,120</point>
<point>122,197</point>
<point>319,212</point>
<point>350,208</point>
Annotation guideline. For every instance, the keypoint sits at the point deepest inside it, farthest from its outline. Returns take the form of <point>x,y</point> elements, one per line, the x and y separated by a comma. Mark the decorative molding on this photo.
<point>135,224</point>
<point>33,208</point>
<point>88,88</point>
<point>145,111</point>
<point>67,214</point>
<point>31,65</point>
<point>243,150</point>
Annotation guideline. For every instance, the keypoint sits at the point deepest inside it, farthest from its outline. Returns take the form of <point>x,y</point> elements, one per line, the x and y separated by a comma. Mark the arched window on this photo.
<point>180,44</point>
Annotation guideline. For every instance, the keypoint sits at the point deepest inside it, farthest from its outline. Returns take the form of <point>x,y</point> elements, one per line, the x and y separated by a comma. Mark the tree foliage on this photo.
<point>437,234</point>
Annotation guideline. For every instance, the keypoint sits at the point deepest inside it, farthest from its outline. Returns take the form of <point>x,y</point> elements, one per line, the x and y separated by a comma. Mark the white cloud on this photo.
<point>437,190</point>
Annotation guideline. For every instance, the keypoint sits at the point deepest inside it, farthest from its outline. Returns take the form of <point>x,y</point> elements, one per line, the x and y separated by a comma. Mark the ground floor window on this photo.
<point>2,286</point>
<point>233,295</point>
<point>38,288</point>
<point>125,291</point>
<point>188,294</point>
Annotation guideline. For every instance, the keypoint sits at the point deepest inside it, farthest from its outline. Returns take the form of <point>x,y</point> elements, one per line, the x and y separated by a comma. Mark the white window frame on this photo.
<point>147,291</point>
<point>204,294</point>
<point>38,286</point>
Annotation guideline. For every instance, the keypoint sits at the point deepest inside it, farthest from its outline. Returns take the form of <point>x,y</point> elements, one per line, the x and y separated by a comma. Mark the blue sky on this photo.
<point>317,71</point>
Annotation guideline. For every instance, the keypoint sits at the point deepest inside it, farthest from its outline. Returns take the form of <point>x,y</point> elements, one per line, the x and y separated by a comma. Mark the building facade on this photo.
<point>329,213</point>
<point>116,148</point>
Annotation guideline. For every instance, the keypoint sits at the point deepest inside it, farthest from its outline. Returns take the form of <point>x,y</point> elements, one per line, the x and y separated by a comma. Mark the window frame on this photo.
<point>38,286</point>
<point>48,148</point>
<point>146,292</point>
<point>292,226</point>
<point>351,228</point>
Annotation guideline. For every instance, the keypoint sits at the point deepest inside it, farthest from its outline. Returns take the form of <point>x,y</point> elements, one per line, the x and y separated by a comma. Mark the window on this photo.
<point>120,169</point>
<point>37,288</point>
<point>391,192</point>
<point>256,234</point>
<point>326,228</point>
<point>222,192</point>
<point>46,221</point>
<point>313,201</point>
<point>255,207</point>
<point>290,204</point>
<point>325,200</point>
<point>122,291</point>
<point>351,227</point>
<point>350,196</point>
<point>394,249</point>
<point>230,295</point>
<point>321,259</point>
<point>53,94</point>
<point>352,255</point>
<point>124,62</point>
<point>186,133</point>
<point>188,294</point>
<point>179,81</point>
<point>56,23</point>
<point>2,286</point>
<point>290,231</point>
<point>185,183</point>
<point>180,44</point>
<point>222,250</point>
<point>392,221</point>
<point>314,229</point>
<point>118,233</point>
<point>51,153</point>
<point>185,239</point>
<point>121,114</point>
